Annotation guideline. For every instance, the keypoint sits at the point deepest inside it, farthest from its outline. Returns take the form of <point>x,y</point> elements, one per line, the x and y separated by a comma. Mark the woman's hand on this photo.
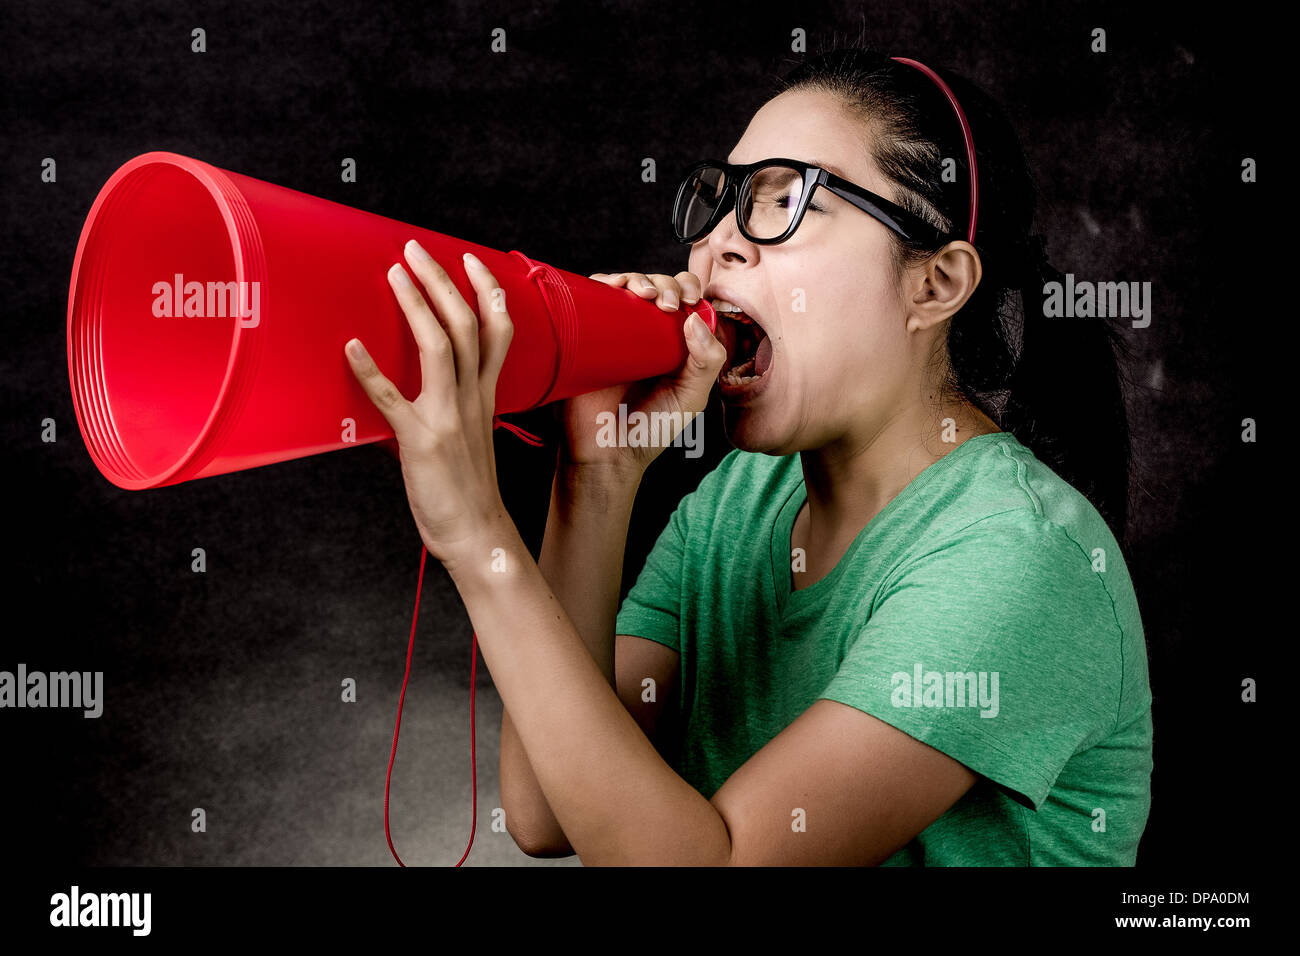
<point>685,391</point>
<point>445,436</point>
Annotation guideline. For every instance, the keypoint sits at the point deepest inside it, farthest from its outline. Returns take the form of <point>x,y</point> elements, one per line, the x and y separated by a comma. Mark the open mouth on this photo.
<point>750,358</point>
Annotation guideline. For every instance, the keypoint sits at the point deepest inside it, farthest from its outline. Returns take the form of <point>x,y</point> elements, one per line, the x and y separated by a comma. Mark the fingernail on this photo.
<point>670,299</point>
<point>419,251</point>
<point>647,284</point>
<point>398,274</point>
<point>356,349</point>
<point>473,261</point>
<point>695,326</point>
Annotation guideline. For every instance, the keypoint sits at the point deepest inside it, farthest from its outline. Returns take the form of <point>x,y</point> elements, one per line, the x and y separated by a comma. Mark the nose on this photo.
<point>725,242</point>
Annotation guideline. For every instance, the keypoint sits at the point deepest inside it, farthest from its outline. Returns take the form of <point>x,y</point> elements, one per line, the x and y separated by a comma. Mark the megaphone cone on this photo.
<point>208,310</point>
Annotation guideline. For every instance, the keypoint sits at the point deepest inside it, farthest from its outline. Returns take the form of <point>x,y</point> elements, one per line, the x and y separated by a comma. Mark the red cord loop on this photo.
<point>473,768</point>
<point>473,673</point>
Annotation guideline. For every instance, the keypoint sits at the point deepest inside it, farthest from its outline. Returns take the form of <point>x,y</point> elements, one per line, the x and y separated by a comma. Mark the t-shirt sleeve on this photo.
<point>999,647</point>
<point>653,606</point>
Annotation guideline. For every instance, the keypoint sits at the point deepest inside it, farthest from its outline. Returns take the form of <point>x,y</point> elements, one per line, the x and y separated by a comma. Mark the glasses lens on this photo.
<point>698,200</point>
<point>769,205</point>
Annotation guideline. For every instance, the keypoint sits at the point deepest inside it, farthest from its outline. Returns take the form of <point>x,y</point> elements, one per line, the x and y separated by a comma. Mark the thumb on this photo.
<point>707,355</point>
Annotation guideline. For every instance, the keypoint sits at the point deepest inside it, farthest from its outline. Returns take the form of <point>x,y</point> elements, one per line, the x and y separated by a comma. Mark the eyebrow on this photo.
<point>817,162</point>
<point>828,167</point>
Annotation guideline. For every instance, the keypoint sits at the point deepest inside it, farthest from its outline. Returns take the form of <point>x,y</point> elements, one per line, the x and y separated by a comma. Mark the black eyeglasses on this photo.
<point>771,197</point>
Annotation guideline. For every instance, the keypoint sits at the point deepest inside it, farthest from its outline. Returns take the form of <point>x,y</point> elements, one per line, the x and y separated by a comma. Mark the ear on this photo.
<point>947,280</point>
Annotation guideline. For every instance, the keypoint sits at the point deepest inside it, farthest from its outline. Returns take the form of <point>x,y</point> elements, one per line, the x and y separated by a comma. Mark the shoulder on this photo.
<point>998,493</point>
<point>1009,559</point>
<point>995,529</point>
<point>1028,560</point>
<point>1017,551</point>
<point>1063,537</point>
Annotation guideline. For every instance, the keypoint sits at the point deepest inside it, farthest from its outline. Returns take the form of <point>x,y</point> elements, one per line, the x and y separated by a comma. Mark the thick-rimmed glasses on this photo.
<point>770,198</point>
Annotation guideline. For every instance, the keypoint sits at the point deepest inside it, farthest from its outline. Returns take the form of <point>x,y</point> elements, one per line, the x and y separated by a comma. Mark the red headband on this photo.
<point>965,131</point>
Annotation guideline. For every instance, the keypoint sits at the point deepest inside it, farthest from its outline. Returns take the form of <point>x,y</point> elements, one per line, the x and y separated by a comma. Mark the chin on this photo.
<point>747,431</point>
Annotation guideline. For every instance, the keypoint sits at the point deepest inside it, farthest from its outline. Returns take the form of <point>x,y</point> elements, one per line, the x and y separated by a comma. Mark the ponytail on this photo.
<point>1065,400</point>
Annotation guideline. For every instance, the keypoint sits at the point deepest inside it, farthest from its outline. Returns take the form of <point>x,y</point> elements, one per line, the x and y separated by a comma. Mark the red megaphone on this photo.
<point>208,311</point>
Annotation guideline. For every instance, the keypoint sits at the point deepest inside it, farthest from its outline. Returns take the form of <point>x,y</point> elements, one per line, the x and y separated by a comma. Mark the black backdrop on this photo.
<point>222,689</point>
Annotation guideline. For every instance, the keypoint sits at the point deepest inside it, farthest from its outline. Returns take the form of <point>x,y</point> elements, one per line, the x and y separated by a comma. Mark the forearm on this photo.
<point>582,561</point>
<point>615,798</point>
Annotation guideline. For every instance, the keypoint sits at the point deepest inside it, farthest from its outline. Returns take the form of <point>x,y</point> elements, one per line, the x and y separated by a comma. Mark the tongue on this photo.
<point>763,357</point>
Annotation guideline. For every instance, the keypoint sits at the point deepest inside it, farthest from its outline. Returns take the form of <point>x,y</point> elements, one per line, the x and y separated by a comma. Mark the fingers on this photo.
<point>497,328</point>
<point>667,291</point>
<point>691,287</point>
<point>397,411</point>
<point>669,297</point>
<point>437,364</point>
<point>451,307</point>
<point>633,281</point>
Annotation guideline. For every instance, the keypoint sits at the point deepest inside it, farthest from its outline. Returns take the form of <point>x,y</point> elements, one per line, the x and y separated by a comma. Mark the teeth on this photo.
<point>739,376</point>
<point>722,305</point>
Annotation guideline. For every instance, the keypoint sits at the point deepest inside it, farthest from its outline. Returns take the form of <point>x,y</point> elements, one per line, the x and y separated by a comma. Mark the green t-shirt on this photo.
<point>986,611</point>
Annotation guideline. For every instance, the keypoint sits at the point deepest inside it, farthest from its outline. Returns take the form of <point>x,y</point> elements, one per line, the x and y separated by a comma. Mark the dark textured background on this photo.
<point>222,689</point>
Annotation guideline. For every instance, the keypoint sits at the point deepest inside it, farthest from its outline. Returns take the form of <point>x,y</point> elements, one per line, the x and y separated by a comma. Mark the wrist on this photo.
<point>495,549</point>
<point>601,493</point>
<point>578,478</point>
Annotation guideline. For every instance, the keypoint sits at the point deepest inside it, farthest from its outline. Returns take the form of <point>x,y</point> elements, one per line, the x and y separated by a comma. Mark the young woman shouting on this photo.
<point>893,625</point>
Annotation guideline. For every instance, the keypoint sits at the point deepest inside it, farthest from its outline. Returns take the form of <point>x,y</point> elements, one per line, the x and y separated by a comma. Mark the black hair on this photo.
<point>1054,383</point>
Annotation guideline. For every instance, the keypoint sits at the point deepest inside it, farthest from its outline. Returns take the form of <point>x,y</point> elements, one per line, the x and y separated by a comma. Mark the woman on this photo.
<point>883,629</point>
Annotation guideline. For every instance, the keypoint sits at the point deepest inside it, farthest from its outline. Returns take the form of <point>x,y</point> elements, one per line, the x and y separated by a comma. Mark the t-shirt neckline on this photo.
<point>790,602</point>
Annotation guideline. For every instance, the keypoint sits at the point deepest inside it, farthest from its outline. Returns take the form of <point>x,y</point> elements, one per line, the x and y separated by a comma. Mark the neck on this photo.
<point>850,480</point>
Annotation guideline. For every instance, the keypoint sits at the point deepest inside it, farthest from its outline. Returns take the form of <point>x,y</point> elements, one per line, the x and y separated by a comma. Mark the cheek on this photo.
<point>699,261</point>
<point>851,324</point>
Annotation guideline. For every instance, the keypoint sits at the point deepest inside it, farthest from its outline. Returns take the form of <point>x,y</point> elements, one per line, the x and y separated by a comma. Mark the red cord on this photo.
<point>526,436</point>
<point>473,671</point>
